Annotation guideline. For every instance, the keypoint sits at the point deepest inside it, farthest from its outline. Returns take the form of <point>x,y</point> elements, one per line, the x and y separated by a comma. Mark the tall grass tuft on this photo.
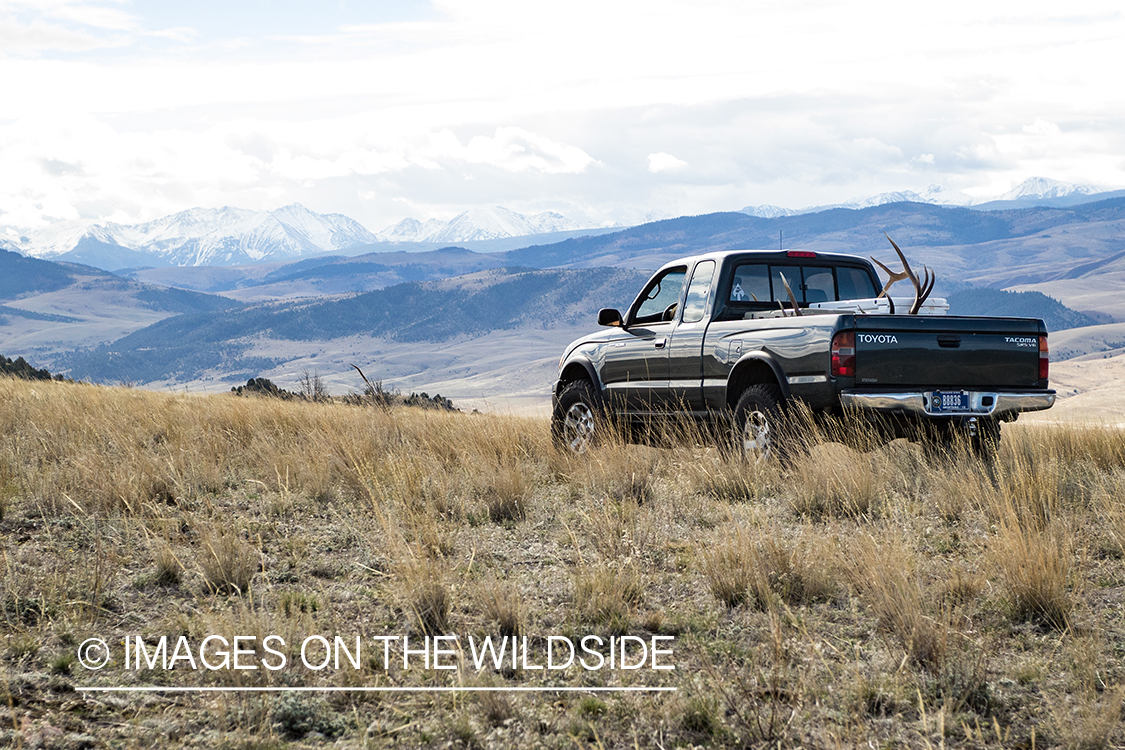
<point>168,568</point>
<point>1035,567</point>
<point>884,576</point>
<point>608,595</point>
<point>506,496</point>
<point>835,481</point>
<point>425,594</point>
<point>760,568</point>
<point>503,605</point>
<point>228,563</point>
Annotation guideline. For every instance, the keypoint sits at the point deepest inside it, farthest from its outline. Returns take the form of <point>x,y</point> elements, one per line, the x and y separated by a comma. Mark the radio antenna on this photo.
<point>781,239</point>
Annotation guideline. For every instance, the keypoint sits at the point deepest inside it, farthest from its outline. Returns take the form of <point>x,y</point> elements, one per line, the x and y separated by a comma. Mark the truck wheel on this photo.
<point>577,421</point>
<point>757,424</point>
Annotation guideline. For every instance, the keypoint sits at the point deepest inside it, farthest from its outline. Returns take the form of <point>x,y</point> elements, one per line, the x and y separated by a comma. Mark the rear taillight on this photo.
<point>843,355</point>
<point>1044,357</point>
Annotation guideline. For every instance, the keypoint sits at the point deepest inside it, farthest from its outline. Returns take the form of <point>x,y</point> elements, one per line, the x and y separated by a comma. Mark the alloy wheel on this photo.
<point>578,427</point>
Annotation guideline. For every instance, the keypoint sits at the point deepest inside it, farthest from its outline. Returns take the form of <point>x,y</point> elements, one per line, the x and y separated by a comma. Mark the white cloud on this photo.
<point>1041,127</point>
<point>517,150</point>
<point>662,162</point>
<point>533,102</point>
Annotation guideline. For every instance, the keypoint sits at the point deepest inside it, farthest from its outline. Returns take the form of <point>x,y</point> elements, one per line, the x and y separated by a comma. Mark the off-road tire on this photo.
<point>757,431</point>
<point>578,420</point>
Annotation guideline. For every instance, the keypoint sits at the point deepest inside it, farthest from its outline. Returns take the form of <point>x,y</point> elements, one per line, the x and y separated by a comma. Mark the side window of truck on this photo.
<point>658,300</point>
<point>696,303</point>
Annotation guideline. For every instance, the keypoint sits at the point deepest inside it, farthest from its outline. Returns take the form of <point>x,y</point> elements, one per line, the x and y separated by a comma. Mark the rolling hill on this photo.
<point>948,238</point>
<point>49,308</point>
<point>415,314</point>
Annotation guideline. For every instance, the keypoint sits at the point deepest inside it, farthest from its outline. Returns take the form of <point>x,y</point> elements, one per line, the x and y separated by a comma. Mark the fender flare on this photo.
<point>587,365</point>
<point>763,358</point>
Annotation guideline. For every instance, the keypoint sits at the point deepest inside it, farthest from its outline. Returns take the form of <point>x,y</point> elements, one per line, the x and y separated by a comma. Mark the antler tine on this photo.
<point>892,277</point>
<point>922,288</point>
<point>789,291</point>
<point>905,266</point>
<point>928,279</point>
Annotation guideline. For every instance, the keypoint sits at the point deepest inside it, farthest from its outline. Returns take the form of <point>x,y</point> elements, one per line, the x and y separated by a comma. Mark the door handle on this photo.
<point>660,343</point>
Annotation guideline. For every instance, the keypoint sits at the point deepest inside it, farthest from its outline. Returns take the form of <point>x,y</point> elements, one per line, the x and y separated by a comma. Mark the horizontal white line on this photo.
<point>158,689</point>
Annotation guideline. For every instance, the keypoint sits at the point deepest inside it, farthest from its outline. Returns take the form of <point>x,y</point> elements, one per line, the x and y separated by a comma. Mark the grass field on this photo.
<point>893,597</point>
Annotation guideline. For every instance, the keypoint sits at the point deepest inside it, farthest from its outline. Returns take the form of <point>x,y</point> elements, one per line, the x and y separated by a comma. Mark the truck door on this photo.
<point>685,349</point>
<point>635,372</point>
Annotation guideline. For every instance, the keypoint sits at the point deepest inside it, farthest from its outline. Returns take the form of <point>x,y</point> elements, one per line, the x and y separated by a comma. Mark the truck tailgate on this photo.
<point>947,351</point>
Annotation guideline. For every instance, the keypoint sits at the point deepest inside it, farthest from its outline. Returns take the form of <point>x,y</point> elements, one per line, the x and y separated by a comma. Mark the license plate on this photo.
<point>949,401</point>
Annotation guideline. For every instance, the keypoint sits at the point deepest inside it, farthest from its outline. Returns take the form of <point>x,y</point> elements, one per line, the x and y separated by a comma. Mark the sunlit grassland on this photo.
<point>896,595</point>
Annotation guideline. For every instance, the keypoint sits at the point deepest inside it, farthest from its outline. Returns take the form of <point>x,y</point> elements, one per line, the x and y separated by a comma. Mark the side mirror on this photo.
<point>607,316</point>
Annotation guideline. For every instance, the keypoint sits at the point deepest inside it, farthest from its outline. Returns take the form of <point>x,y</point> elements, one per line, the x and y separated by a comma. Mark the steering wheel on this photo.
<point>669,312</point>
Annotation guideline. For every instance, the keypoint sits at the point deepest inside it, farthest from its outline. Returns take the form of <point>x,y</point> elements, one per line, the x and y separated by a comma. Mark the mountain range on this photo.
<point>199,237</point>
<point>479,224</point>
<point>233,236</point>
<point>482,323</point>
<point>1034,191</point>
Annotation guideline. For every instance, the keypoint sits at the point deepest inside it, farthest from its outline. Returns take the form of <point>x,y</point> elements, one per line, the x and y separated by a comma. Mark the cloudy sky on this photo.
<point>126,110</point>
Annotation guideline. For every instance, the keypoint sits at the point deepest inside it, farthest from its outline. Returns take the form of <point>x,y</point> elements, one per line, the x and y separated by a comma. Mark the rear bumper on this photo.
<point>994,404</point>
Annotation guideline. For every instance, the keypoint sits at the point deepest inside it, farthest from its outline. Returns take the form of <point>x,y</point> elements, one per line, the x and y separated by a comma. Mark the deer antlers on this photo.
<point>792,298</point>
<point>922,288</point>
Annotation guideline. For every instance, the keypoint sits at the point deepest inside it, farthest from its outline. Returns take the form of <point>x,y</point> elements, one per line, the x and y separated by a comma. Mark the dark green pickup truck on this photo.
<point>734,337</point>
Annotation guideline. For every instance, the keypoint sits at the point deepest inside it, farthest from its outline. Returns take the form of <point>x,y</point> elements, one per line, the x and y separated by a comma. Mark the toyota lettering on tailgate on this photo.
<point>881,338</point>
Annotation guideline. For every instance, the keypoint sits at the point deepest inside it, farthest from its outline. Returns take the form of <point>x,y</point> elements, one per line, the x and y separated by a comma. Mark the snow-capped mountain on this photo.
<point>1032,191</point>
<point>478,224</point>
<point>205,236</point>
<point>1045,187</point>
<point>935,194</point>
<point>766,211</point>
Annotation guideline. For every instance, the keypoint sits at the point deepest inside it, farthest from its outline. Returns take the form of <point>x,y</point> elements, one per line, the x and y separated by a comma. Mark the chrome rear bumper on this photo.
<point>995,404</point>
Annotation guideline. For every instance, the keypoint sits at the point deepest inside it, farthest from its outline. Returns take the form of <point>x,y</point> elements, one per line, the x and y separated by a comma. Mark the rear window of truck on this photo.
<point>761,285</point>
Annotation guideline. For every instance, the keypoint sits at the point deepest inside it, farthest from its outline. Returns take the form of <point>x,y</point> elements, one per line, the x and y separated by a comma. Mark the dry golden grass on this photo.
<point>502,605</point>
<point>607,596</point>
<point>865,595</point>
<point>762,569</point>
<point>228,563</point>
<point>1035,566</point>
<point>834,481</point>
<point>886,579</point>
